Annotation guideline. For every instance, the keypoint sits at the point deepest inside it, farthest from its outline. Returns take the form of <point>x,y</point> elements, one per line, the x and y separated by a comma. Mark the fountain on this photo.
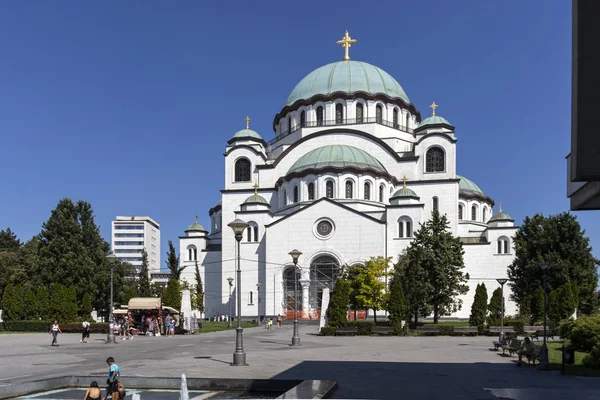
<point>136,396</point>
<point>183,394</point>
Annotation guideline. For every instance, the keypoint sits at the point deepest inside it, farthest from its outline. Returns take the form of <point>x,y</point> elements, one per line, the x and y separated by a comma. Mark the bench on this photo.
<point>532,329</point>
<point>428,330</point>
<point>464,330</point>
<point>498,329</point>
<point>535,355</point>
<point>382,329</point>
<point>540,333</point>
<point>513,347</point>
<point>351,330</point>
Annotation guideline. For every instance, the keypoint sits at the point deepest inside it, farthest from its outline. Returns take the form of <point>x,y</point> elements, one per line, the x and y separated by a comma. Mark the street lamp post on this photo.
<point>544,362</point>
<point>296,337</point>
<point>258,303</point>
<point>502,281</point>
<point>239,356</point>
<point>111,258</point>
<point>230,280</point>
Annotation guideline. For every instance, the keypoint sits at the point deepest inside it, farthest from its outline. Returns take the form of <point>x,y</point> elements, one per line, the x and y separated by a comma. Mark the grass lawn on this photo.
<point>222,326</point>
<point>448,323</point>
<point>555,357</point>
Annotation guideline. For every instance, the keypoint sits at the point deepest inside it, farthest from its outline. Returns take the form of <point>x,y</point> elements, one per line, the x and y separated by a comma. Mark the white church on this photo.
<point>352,172</point>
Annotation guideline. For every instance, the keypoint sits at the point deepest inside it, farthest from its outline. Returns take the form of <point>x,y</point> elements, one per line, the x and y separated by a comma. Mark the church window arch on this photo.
<point>461,211</point>
<point>329,193</point>
<point>395,118</point>
<point>503,245</point>
<point>289,123</point>
<point>192,253</point>
<point>320,116</point>
<point>311,191</point>
<point>367,190</point>
<point>296,194</point>
<point>436,203</point>
<point>302,118</point>
<point>406,120</point>
<point>474,213</point>
<point>484,215</point>
<point>252,232</point>
<point>242,170</point>
<point>285,199</point>
<point>381,189</point>
<point>379,113</point>
<point>339,113</point>
<point>359,113</point>
<point>405,227</point>
<point>349,189</point>
<point>435,160</point>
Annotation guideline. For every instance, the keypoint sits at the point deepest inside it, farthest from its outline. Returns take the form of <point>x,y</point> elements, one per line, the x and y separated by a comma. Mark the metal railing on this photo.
<point>337,122</point>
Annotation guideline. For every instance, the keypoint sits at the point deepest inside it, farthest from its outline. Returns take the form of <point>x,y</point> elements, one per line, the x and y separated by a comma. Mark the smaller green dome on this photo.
<point>434,120</point>
<point>467,185</point>
<point>337,156</point>
<point>256,199</point>
<point>501,216</point>
<point>195,227</point>
<point>247,133</point>
<point>404,192</point>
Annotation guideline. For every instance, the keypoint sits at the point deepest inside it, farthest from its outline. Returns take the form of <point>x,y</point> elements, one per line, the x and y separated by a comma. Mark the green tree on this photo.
<point>173,262</point>
<point>525,311</point>
<point>10,270</point>
<point>144,277</point>
<point>396,302</point>
<point>86,306</point>
<point>18,307</point>
<point>31,308</point>
<point>557,239</point>
<point>199,291</point>
<point>58,302</point>
<point>414,277</point>
<point>9,241</point>
<point>337,310</point>
<point>561,303</point>
<point>43,302</point>
<point>72,307</point>
<point>479,308</point>
<point>441,256</point>
<point>172,294</point>
<point>369,284</point>
<point>12,302</point>
<point>495,308</point>
<point>537,305</point>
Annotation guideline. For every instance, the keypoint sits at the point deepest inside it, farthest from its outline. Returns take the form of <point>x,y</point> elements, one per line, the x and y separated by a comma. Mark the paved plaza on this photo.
<point>364,367</point>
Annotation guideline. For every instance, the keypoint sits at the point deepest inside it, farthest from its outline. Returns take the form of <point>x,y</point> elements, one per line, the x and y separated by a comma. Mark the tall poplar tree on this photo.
<point>479,308</point>
<point>43,302</point>
<point>396,306</point>
<point>559,240</point>
<point>337,310</point>
<point>199,295</point>
<point>173,262</point>
<point>495,308</point>
<point>144,289</point>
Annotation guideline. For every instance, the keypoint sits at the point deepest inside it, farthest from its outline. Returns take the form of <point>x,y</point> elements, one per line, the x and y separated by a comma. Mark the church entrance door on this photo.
<point>288,295</point>
<point>324,270</point>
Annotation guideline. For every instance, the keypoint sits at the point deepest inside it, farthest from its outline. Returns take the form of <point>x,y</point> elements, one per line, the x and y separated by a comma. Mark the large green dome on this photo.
<point>337,156</point>
<point>347,77</point>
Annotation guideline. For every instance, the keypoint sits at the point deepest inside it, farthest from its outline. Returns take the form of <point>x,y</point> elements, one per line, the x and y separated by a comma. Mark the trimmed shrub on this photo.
<point>518,325</point>
<point>327,331</point>
<point>364,327</point>
<point>592,360</point>
<point>446,330</point>
<point>584,333</point>
<point>29,326</point>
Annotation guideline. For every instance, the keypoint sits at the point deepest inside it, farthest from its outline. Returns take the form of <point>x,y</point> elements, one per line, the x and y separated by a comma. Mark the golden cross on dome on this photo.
<point>196,218</point>
<point>255,189</point>
<point>404,181</point>
<point>247,120</point>
<point>433,106</point>
<point>346,43</point>
<point>500,206</point>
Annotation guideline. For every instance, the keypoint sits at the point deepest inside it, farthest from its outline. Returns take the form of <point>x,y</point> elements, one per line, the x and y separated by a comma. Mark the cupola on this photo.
<point>501,219</point>
<point>404,195</point>
<point>255,202</point>
<point>434,122</point>
<point>196,229</point>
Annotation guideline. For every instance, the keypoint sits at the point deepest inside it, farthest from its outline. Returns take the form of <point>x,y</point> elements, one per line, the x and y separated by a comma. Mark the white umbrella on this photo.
<point>186,309</point>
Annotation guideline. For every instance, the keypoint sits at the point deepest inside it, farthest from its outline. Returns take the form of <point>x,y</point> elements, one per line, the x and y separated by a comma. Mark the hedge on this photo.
<point>44,326</point>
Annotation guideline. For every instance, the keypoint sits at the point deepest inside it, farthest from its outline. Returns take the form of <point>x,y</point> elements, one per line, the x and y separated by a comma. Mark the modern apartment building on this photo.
<point>132,234</point>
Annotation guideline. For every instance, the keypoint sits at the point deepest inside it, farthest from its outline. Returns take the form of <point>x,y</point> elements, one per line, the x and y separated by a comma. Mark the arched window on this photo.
<point>349,189</point>
<point>484,214</point>
<point>367,190</point>
<point>503,245</point>
<point>359,113</point>
<point>296,194</point>
<point>302,119</point>
<point>434,160</point>
<point>311,191</point>
<point>406,123</point>
<point>381,189</point>
<point>320,116</point>
<point>289,121</point>
<point>249,231</point>
<point>285,200</point>
<point>329,189</point>
<point>396,125</point>
<point>256,233</point>
<point>405,227</point>
<point>242,170</point>
<point>474,213</point>
<point>192,253</point>
<point>435,204</point>
<point>461,210</point>
<point>339,114</point>
<point>379,114</point>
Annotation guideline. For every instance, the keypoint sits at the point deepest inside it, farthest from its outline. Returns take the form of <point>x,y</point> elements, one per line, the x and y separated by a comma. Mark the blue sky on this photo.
<point>129,105</point>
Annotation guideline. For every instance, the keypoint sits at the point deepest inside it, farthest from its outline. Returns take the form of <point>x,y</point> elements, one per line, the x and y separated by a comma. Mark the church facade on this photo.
<point>352,172</point>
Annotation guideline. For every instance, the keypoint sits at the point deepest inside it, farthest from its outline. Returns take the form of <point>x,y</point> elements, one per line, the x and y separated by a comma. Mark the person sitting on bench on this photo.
<point>527,349</point>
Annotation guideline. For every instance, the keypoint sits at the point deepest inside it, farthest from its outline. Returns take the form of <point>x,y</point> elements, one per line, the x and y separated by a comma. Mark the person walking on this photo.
<point>54,331</point>
<point>279,320</point>
<point>114,377</point>
<point>168,324</point>
<point>86,331</point>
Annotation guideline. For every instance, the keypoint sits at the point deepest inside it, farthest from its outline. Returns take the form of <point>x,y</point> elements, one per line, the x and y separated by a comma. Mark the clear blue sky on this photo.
<point>129,105</point>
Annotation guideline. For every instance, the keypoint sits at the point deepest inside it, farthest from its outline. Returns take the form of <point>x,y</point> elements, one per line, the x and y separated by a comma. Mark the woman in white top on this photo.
<point>54,331</point>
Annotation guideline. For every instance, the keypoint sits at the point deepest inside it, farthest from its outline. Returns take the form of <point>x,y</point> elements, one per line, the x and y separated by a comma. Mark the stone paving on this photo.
<point>364,367</point>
